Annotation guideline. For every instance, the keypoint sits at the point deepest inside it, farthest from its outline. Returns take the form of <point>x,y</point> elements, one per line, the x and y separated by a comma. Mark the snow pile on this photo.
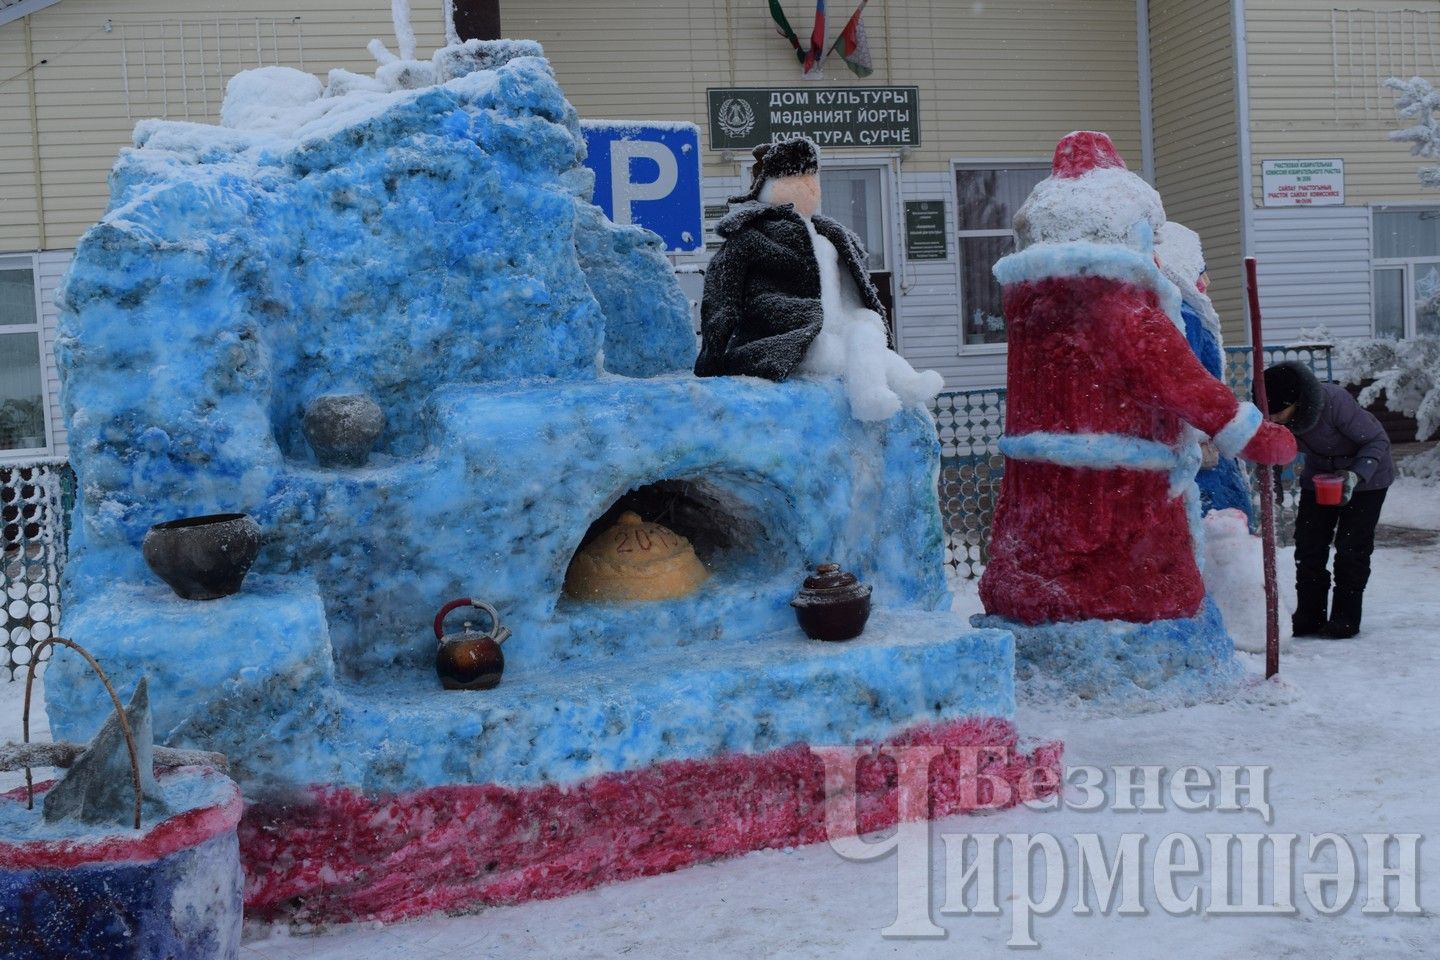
<point>292,105</point>
<point>268,98</point>
<point>1235,578</point>
<point>1423,466</point>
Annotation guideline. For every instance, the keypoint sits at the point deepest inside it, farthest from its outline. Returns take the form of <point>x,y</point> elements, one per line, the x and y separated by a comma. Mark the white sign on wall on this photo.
<point>1303,183</point>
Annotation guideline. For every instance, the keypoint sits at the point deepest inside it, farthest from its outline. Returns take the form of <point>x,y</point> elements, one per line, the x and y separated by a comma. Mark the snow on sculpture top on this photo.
<point>360,237</point>
<point>1090,196</point>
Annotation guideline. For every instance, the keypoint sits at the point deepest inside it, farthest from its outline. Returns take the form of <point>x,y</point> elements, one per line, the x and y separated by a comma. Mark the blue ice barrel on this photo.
<point>169,891</point>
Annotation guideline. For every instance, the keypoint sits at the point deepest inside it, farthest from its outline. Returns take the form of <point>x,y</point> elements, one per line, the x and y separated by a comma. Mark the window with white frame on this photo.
<point>986,199</point>
<point>22,397</point>
<point>1406,264</point>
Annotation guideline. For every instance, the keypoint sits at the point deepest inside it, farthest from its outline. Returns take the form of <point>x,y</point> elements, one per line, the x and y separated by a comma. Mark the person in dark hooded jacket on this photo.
<point>1336,435</point>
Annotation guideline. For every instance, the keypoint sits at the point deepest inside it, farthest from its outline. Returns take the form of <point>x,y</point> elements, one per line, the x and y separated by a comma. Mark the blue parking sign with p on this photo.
<point>648,174</point>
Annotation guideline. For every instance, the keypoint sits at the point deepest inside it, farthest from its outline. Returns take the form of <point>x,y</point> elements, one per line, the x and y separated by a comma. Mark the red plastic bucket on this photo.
<point>1329,489</point>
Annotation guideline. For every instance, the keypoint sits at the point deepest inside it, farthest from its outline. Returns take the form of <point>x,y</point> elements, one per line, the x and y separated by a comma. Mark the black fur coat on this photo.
<point>761,306</point>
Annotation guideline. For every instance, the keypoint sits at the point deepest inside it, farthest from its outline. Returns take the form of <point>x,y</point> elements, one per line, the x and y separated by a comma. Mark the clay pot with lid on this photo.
<point>635,560</point>
<point>833,605</point>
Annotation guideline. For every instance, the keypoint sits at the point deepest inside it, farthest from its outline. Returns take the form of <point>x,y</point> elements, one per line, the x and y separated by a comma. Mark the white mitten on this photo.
<point>913,386</point>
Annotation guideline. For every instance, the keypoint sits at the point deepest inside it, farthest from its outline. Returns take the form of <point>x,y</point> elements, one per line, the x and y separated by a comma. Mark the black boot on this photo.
<point>1344,614</point>
<point>1309,619</point>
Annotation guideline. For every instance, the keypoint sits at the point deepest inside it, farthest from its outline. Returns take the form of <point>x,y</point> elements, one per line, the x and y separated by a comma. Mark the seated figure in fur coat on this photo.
<point>788,294</point>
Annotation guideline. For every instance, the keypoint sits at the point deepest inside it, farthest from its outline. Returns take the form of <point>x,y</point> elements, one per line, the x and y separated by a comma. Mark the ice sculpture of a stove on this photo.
<point>428,243</point>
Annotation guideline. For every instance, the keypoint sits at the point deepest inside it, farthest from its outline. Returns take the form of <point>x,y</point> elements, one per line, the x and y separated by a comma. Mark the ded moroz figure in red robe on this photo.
<point>1097,516</point>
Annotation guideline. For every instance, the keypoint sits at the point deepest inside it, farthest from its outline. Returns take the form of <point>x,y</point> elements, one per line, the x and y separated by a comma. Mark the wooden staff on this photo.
<point>1267,484</point>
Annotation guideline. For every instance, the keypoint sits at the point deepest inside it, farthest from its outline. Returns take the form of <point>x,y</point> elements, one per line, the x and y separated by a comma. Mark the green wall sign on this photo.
<point>925,236</point>
<point>745,117</point>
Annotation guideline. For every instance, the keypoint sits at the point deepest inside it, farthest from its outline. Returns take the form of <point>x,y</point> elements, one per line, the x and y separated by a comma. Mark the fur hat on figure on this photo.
<point>795,157</point>
<point>1090,196</point>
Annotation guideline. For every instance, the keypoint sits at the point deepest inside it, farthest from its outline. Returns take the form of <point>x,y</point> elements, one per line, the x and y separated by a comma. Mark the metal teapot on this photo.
<point>470,660</point>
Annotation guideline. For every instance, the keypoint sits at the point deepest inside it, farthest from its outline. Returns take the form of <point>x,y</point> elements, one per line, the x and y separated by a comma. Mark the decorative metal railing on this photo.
<point>1239,368</point>
<point>35,502</point>
<point>969,424</point>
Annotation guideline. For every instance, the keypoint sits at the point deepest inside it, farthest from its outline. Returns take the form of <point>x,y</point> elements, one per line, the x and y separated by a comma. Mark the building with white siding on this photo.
<point>1201,96</point>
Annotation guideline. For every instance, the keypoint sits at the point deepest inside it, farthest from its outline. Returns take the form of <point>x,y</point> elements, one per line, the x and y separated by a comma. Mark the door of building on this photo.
<point>859,197</point>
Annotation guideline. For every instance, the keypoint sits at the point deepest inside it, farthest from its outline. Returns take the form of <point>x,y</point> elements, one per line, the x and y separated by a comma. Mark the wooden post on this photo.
<point>1267,483</point>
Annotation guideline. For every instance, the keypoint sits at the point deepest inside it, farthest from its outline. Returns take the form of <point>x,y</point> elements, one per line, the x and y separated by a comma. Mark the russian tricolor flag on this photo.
<point>816,54</point>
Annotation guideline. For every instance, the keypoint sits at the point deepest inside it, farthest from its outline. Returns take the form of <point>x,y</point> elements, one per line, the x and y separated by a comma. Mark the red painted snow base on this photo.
<point>335,855</point>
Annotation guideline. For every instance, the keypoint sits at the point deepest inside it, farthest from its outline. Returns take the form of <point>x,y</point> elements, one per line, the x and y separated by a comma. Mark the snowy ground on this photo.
<point>1347,738</point>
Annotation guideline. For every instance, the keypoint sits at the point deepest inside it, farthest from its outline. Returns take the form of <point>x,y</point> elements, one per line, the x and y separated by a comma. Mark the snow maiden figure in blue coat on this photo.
<point>1221,480</point>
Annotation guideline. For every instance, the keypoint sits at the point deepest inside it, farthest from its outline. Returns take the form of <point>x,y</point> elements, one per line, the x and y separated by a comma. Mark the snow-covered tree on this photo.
<point>1407,373</point>
<point>1416,99</point>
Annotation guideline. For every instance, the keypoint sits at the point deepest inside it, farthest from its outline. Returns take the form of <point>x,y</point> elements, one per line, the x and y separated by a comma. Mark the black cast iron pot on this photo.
<point>203,558</point>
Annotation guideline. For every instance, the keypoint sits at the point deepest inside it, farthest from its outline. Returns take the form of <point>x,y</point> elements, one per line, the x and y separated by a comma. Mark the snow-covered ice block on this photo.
<point>512,478</point>
<point>431,246</point>
<point>492,510</point>
<point>753,695</point>
<point>642,335</point>
<point>240,659</point>
<point>1175,660</point>
<point>556,784</point>
<point>390,242</point>
<point>786,479</point>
